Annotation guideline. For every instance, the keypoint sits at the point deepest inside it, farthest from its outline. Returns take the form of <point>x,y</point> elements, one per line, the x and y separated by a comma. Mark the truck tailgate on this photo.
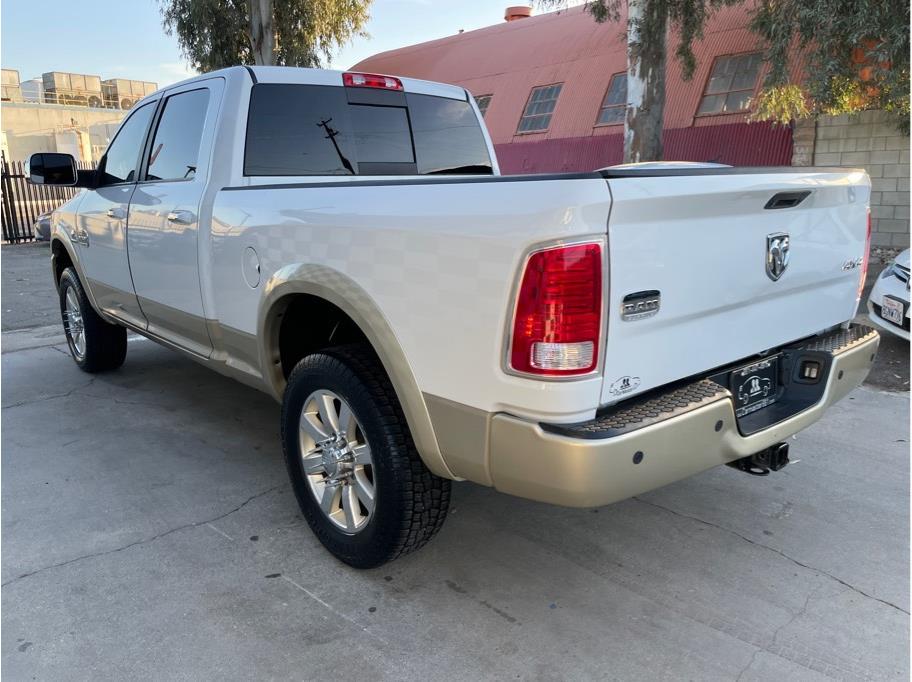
<point>702,242</point>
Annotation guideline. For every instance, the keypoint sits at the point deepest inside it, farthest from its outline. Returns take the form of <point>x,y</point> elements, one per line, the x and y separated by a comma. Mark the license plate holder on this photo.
<point>755,386</point>
<point>892,310</point>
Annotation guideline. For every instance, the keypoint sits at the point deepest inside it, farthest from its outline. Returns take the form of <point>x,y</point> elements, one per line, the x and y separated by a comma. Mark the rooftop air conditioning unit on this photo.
<point>124,94</point>
<point>76,89</point>
<point>11,90</point>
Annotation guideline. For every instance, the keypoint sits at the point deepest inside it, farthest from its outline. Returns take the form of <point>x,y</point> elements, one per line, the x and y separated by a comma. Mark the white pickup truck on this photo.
<point>344,242</point>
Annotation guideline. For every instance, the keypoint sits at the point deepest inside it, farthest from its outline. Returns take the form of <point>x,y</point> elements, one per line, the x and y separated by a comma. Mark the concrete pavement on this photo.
<point>29,297</point>
<point>149,533</point>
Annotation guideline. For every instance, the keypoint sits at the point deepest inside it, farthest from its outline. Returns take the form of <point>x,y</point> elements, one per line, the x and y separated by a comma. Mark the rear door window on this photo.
<point>175,147</point>
<point>322,130</point>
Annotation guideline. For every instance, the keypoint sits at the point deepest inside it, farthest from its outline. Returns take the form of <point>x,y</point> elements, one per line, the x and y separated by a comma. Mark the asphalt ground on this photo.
<point>149,532</point>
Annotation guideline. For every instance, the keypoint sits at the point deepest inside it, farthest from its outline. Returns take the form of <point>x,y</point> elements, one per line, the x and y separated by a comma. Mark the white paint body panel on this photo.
<point>439,261</point>
<point>103,222</point>
<point>164,254</point>
<point>701,241</point>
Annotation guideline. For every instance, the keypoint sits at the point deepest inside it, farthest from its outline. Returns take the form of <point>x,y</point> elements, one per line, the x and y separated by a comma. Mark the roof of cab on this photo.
<point>303,76</point>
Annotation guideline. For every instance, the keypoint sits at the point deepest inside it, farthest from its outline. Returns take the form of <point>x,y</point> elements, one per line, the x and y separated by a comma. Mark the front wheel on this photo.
<point>95,345</point>
<point>356,473</point>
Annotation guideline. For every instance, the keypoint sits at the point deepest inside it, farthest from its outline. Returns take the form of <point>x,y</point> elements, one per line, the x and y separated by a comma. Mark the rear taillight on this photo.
<point>865,258</point>
<point>558,316</point>
<point>371,80</point>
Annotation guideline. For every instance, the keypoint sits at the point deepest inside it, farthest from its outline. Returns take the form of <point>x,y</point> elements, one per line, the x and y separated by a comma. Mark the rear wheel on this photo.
<point>96,345</point>
<point>358,478</point>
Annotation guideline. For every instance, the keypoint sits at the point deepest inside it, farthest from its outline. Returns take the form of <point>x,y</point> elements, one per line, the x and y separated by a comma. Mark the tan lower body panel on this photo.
<point>234,348</point>
<point>120,305</point>
<point>526,461</point>
<point>185,329</point>
<point>462,433</point>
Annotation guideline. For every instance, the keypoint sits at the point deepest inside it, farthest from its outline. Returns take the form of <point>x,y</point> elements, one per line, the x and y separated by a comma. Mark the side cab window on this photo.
<point>121,161</point>
<point>175,147</point>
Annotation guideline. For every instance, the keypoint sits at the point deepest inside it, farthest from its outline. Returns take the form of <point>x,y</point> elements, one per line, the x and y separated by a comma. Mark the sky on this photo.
<point>125,39</point>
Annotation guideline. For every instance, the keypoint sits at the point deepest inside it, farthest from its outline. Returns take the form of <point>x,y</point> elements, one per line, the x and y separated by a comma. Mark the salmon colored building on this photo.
<point>553,87</point>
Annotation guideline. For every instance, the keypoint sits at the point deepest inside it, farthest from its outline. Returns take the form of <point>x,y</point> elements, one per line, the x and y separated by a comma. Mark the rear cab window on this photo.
<point>333,130</point>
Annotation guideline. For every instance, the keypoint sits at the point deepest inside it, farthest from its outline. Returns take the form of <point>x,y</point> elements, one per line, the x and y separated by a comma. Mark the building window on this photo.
<point>483,102</point>
<point>731,84</point>
<point>614,106</point>
<point>537,115</point>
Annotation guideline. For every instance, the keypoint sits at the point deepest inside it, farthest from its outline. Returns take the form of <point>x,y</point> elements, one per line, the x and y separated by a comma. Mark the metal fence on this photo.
<point>24,202</point>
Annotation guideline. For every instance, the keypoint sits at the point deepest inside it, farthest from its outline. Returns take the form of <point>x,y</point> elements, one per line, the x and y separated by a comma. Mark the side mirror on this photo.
<point>51,168</point>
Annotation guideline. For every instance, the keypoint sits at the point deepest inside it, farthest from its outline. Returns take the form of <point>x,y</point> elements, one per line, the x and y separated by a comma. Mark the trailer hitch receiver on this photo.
<point>762,463</point>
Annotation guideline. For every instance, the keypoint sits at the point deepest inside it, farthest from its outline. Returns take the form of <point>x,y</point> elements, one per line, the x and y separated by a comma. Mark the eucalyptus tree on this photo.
<point>824,56</point>
<point>854,55</point>
<point>648,24</point>
<point>216,33</point>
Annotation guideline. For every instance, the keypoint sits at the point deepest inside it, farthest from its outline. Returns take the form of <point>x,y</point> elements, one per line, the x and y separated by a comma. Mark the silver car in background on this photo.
<point>41,228</point>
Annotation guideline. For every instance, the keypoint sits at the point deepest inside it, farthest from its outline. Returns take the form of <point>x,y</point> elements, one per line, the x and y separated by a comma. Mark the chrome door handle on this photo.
<point>181,217</point>
<point>117,213</point>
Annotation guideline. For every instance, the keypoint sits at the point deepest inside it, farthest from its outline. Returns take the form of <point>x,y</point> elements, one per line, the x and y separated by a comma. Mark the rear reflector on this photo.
<point>371,80</point>
<point>558,316</point>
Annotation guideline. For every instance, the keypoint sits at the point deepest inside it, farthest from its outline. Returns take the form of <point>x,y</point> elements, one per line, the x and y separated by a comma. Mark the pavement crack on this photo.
<point>774,550</point>
<point>775,635</point>
<point>753,658</point>
<point>796,616</point>
<point>146,541</point>
<point>69,393</point>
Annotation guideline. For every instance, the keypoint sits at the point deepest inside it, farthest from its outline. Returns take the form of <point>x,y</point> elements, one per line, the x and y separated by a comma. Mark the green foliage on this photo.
<point>854,53</point>
<point>216,33</point>
<point>780,104</point>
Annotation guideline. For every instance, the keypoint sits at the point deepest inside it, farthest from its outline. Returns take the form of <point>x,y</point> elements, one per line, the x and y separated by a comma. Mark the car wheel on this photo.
<point>96,345</point>
<point>356,473</point>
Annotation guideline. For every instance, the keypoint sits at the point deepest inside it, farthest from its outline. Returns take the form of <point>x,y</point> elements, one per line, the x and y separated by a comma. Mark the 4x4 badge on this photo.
<point>777,254</point>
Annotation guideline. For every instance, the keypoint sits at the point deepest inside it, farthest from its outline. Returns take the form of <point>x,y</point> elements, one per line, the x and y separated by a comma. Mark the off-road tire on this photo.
<point>411,502</point>
<point>105,343</point>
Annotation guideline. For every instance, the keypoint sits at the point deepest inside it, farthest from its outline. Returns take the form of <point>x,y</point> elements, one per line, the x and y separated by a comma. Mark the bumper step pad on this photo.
<point>841,341</point>
<point>639,413</point>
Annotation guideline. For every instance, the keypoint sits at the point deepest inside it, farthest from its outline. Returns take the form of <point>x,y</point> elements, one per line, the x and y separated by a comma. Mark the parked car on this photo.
<point>344,242</point>
<point>42,227</point>
<point>888,304</point>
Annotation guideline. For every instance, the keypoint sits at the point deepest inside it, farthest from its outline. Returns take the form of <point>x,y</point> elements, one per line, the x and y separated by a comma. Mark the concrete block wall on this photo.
<point>871,141</point>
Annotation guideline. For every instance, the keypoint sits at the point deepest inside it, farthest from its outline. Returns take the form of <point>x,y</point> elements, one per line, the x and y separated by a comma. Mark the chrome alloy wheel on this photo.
<point>336,461</point>
<point>74,325</point>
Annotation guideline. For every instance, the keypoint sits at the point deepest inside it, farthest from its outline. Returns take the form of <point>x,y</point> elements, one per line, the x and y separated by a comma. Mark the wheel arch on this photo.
<point>64,255</point>
<point>344,293</point>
